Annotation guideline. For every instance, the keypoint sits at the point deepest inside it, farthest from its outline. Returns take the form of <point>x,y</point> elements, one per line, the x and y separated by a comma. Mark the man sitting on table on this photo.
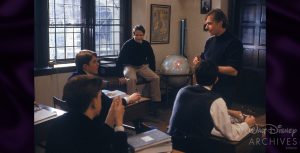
<point>86,64</point>
<point>199,113</point>
<point>77,131</point>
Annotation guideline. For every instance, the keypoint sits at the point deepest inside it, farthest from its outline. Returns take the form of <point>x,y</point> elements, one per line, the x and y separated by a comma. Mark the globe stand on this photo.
<point>167,77</point>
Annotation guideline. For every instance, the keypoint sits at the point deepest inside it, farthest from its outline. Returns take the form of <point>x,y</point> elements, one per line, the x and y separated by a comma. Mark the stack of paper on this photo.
<point>42,115</point>
<point>150,141</point>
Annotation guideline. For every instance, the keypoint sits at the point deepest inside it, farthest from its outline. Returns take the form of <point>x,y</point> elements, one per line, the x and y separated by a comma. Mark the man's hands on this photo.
<point>236,114</point>
<point>250,120</point>
<point>134,97</point>
<point>116,113</point>
<point>196,60</point>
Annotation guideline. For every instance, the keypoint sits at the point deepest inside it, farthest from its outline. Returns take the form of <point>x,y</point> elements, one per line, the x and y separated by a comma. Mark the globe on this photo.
<point>174,65</point>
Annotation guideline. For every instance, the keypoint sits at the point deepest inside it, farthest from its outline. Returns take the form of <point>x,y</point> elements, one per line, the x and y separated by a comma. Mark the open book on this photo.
<point>115,93</point>
<point>43,114</point>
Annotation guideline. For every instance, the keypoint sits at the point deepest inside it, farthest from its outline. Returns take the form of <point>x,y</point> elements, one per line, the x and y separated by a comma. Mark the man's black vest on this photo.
<point>191,112</point>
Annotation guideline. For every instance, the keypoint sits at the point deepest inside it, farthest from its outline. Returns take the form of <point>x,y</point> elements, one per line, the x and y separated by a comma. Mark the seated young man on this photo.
<point>136,59</point>
<point>86,64</point>
<point>199,113</point>
<point>77,131</point>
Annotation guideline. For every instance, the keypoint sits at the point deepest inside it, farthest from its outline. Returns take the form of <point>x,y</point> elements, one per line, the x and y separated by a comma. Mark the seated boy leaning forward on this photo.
<point>87,64</point>
<point>77,131</point>
<point>199,113</point>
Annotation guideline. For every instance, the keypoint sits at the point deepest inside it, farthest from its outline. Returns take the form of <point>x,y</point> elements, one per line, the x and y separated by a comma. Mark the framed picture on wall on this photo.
<point>205,6</point>
<point>160,24</point>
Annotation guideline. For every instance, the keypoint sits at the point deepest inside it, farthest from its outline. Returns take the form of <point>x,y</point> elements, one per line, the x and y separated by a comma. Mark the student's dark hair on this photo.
<point>206,73</point>
<point>218,16</point>
<point>79,92</point>
<point>138,27</point>
<point>83,57</point>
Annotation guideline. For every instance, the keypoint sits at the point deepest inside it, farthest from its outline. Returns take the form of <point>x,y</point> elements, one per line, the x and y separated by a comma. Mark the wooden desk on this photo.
<point>137,111</point>
<point>134,112</point>
<point>41,127</point>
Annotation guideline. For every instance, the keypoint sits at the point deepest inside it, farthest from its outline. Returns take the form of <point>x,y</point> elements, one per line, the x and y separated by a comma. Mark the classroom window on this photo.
<point>64,27</point>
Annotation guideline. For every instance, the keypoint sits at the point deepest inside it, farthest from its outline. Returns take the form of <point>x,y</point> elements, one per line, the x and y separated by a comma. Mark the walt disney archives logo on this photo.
<point>288,139</point>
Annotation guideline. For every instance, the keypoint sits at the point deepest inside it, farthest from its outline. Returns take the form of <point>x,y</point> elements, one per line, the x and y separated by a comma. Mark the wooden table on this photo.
<point>133,112</point>
<point>41,127</point>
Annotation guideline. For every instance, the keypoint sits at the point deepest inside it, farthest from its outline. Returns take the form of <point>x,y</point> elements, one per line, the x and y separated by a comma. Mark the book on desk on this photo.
<point>150,141</point>
<point>114,93</point>
<point>43,114</point>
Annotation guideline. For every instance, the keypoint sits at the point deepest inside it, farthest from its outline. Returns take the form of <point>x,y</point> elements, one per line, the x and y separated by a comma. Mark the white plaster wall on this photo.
<point>50,85</point>
<point>180,9</point>
<point>141,15</point>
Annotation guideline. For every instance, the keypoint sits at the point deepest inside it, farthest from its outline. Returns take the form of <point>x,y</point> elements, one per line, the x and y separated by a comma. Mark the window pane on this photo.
<point>77,2</point>
<point>60,40</point>
<point>116,38</point>
<point>77,39</point>
<point>61,30</point>
<point>101,2</point>
<point>51,30</point>
<point>77,16</point>
<point>51,40</point>
<point>69,39</point>
<point>64,28</point>
<point>70,52</point>
<point>77,50</point>
<point>69,30</point>
<point>59,14</point>
<point>68,1</point>
<point>97,39</point>
<point>116,14</point>
<point>107,28</point>
<point>109,3</point>
<point>51,1</point>
<point>69,19</point>
<point>52,53</point>
<point>51,14</point>
<point>76,29</point>
<point>60,53</point>
<point>59,1</point>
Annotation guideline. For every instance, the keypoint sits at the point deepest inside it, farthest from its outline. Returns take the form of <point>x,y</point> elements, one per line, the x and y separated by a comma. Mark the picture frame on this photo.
<point>160,24</point>
<point>205,6</point>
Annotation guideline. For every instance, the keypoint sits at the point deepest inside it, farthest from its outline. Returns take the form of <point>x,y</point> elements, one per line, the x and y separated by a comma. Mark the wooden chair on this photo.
<point>60,103</point>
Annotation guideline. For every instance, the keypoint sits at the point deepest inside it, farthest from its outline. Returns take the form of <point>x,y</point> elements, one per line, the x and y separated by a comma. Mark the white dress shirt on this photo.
<point>222,123</point>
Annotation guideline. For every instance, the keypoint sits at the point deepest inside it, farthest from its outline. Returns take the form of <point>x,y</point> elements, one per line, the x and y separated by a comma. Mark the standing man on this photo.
<point>137,59</point>
<point>223,49</point>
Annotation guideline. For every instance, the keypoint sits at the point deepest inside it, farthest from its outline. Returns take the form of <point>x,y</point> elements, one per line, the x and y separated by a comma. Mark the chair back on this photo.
<point>60,103</point>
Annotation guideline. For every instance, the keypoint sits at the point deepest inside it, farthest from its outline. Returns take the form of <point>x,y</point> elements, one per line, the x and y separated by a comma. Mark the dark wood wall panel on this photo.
<point>248,35</point>
<point>262,36</point>
<point>262,58</point>
<point>249,14</point>
<point>249,57</point>
<point>263,14</point>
